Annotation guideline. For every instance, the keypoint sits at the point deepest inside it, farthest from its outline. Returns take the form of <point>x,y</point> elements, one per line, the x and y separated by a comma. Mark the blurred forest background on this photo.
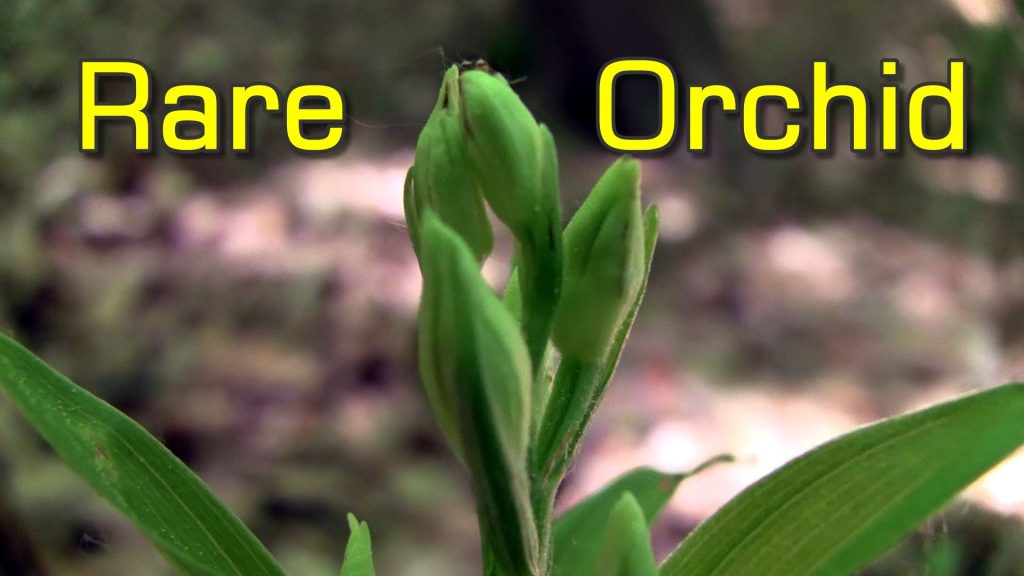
<point>257,313</point>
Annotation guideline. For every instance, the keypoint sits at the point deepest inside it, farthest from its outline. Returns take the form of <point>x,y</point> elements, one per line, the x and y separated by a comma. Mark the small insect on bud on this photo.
<point>475,366</point>
<point>507,151</point>
<point>604,263</point>
<point>441,177</point>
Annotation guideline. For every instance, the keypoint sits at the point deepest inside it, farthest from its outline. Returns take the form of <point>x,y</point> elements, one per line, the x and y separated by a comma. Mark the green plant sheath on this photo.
<point>133,471</point>
<point>839,506</point>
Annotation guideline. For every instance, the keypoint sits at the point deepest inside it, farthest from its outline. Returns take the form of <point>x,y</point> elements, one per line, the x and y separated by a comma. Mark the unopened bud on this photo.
<point>441,175</point>
<point>604,263</point>
<point>475,366</point>
<point>513,161</point>
<point>508,151</point>
<point>470,345</point>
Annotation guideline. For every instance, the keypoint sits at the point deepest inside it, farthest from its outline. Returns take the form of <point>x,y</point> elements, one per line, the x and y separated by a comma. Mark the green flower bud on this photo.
<point>471,344</point>
<point>476,370</point>
<point>604,264</point>
<point>509,153</point>
<point>442,178</point>
<point>513,161</point>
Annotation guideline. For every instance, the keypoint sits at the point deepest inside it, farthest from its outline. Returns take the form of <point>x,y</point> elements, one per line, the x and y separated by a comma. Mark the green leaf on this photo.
<point>128,467</point>
<point>839,506</point>
<point>358,552</point>
<point>627,544</point>
<point>578,532</point>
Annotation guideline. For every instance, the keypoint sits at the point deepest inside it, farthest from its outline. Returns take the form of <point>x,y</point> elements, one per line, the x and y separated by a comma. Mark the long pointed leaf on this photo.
<point>133,471</point>
<point>839,506</point>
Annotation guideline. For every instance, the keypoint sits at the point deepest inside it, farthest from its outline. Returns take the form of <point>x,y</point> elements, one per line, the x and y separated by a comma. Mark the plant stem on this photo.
<point>573,399</point>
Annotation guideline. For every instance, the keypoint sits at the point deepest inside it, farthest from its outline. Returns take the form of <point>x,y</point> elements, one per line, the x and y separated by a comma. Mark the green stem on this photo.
<point>574,397</point>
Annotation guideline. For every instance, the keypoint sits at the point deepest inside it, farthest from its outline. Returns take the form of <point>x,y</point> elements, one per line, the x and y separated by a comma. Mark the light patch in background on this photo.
<point>983,12</point>
<point>678,216</point>
<point>326,189</point>
<point>811,261</point>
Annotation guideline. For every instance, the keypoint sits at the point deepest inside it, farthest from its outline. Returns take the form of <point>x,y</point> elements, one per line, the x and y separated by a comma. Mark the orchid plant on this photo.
<point>514,379</point>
